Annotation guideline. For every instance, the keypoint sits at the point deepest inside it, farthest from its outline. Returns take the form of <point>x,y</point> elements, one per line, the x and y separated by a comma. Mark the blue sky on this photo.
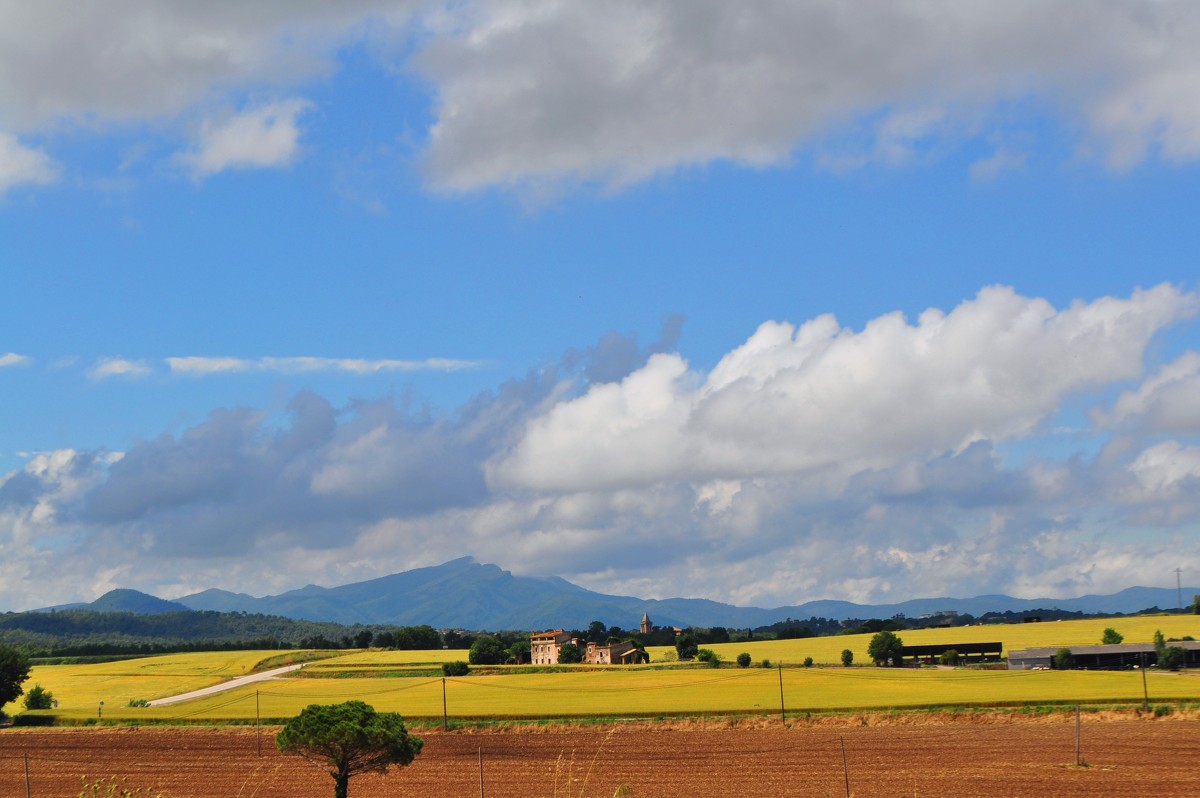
<point>763,302</point>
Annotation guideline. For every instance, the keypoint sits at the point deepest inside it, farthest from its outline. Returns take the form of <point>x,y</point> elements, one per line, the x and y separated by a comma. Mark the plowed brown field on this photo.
<point>983,755</point>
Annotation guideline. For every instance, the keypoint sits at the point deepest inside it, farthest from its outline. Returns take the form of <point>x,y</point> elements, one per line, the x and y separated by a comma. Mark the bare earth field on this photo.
<point>922,755</point>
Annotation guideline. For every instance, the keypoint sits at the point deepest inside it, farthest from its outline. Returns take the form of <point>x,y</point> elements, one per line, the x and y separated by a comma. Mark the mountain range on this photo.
<point>465,594</point>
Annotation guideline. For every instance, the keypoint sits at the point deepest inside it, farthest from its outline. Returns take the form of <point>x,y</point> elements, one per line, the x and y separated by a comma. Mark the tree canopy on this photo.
<point>487,650</point>
<point>348,739</point>
<point>686,647</point>
<point>569,654</point>
<point>1112,637</point>
<point>884,648</point>
<point>14,670</point>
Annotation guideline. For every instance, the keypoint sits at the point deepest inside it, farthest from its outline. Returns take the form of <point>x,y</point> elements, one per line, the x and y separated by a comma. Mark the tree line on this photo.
<point>88,633</point>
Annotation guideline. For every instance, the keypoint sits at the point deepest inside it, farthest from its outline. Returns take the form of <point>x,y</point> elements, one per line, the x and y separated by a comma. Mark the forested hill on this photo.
<point>75,632</point>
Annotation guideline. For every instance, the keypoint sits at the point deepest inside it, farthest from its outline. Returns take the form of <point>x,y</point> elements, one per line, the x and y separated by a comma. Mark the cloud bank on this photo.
<point>813,461</point>
<point>528,95</point>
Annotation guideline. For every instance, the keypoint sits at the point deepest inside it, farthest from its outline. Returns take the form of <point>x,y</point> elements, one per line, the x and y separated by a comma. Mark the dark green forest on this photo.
<point>87,633</point>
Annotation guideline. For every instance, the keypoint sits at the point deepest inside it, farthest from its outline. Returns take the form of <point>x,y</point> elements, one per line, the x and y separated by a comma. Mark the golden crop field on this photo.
<point>116,683</point>
<point>378,658</point>
<point>378,678</point>
<point>611,693</point>
<point>676,691</point>
<point>828,650</point>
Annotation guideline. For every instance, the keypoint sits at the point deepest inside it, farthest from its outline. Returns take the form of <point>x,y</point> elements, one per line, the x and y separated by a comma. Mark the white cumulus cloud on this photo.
<point>21,165</point>
<point>199,366</point>
<point>118,367</point>
<point>260,137</point>
<point>615,92</point>
<point>793,398</point>
<point>1167,402</point>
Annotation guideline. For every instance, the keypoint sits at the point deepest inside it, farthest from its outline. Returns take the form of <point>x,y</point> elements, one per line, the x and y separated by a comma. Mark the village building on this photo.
<point>612,653</point>
<point>544,648</point>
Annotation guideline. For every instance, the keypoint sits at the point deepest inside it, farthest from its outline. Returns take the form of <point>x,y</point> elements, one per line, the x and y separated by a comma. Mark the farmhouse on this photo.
<point>1099,657</point>
<point>612,653</point>
<point>544,648</point>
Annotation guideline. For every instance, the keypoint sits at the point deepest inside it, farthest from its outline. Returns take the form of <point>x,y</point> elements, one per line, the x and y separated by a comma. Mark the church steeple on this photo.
<point>646,626</point>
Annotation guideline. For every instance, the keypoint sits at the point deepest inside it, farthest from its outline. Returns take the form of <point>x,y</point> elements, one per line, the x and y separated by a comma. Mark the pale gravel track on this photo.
<point>223,686</point>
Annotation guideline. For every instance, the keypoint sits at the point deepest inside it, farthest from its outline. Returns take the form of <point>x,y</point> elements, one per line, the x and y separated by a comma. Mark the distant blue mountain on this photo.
<point>469,595</point>
<point>124,600</point>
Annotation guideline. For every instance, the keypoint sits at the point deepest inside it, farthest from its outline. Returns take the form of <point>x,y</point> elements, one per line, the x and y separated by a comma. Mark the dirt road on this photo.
<point>223,686</point>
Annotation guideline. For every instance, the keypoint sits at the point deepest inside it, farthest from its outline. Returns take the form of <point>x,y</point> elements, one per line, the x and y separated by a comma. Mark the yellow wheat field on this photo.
<point>828,650</point>
<point>401,681</point>
<point>645,692</point>
<point>117,683</point>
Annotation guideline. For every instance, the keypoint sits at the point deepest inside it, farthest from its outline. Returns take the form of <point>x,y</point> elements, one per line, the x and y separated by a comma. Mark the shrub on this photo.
<point>39,698</point>
<point>1173,658</point>
<point>1064,660</point>
<point>808,662</point>
<point>847,657</point>
<point>949,657</point>
<point>743,659</point>
<point>1112,637</point>
<point>766,663</point>
<point>456,668</point>
<point>709,656</point>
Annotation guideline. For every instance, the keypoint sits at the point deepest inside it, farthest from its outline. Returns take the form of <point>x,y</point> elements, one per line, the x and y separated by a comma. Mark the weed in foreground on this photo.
<point>564,769</point>
<point>114,787</point>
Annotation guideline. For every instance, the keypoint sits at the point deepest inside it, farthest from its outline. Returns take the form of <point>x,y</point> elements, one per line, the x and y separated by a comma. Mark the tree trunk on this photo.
<point>341,784</point>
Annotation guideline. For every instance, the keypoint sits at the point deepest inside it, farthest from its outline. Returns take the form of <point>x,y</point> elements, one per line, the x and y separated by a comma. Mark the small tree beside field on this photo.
<point>348,739</point>
<point>885,648</point>
<point>39,698</point>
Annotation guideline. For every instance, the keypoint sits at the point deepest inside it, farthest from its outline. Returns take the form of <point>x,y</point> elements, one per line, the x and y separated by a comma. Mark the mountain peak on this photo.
<point>126,600</point>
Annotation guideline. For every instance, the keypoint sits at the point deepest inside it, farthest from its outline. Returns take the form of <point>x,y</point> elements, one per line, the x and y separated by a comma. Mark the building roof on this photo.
<point>961,648</point>
<point>1119,648</point>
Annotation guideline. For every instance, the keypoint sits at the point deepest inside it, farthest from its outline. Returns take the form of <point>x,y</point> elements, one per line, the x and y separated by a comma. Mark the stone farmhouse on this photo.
<point>544,648</point>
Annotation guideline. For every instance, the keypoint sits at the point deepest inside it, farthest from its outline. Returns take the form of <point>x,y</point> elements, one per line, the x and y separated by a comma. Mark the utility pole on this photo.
<point>1079,751</point>
<point>845,767</point>
<point>782,711</point>
<point>1145,689</point>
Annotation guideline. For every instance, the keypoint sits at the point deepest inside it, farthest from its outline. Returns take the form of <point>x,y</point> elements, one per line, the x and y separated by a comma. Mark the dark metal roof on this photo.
<point>961,648</point>
<point>1120,648</point>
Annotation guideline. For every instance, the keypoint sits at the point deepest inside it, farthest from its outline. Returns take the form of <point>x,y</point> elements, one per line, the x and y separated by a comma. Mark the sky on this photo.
<point>761,302</point>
